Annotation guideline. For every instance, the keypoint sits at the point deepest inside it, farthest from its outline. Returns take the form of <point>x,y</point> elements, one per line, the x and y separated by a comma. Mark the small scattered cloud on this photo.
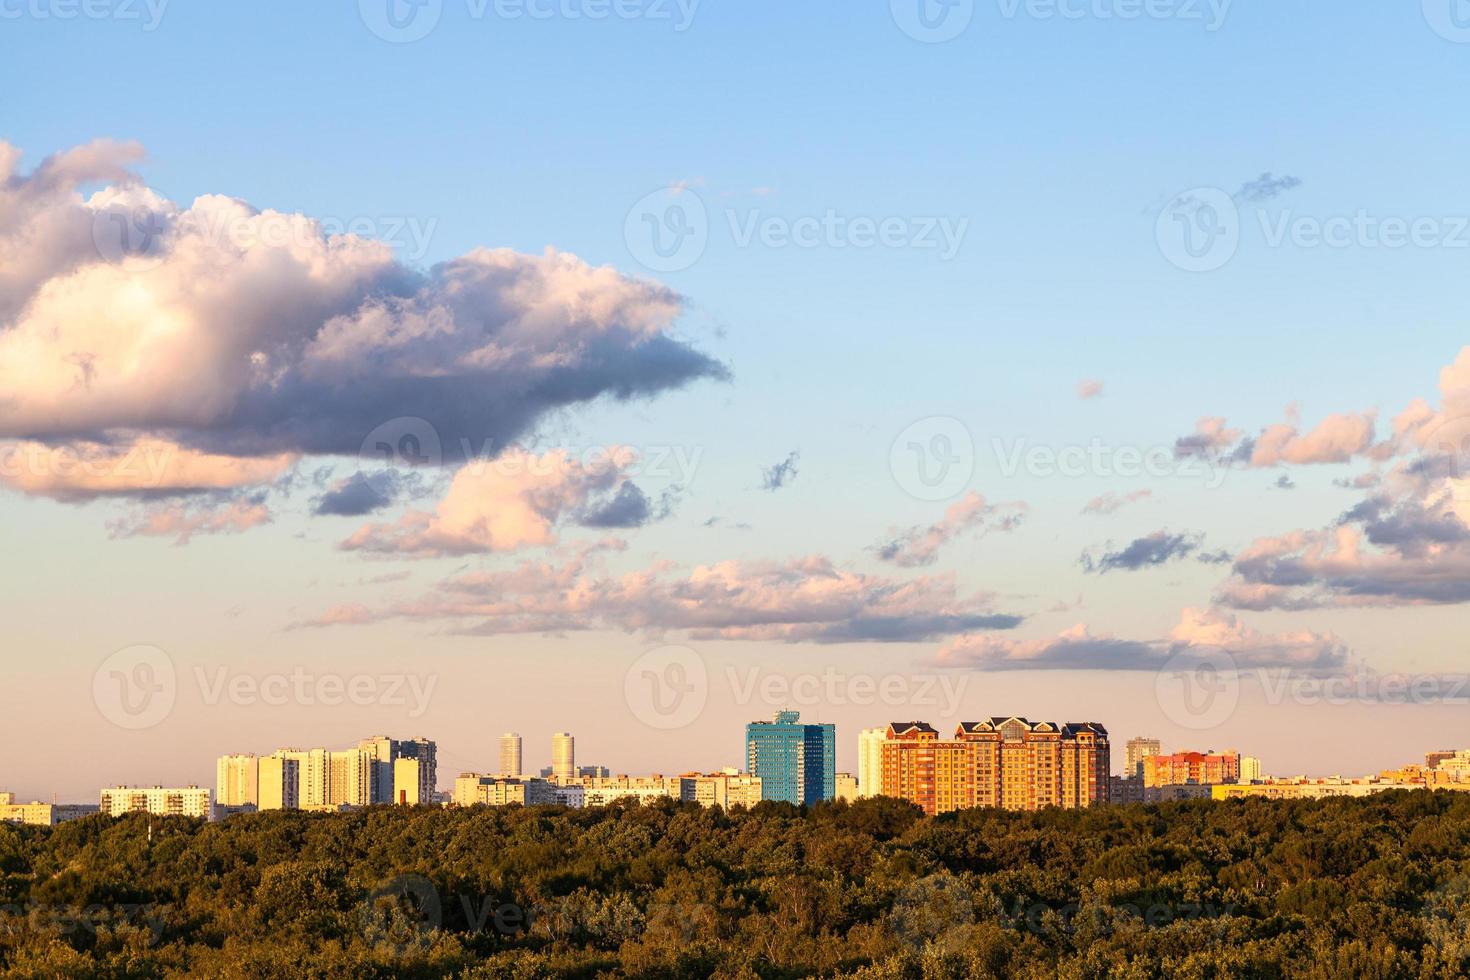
<point>1089,388</point>
<point>182,521</point>
<point>1149,551</point>
<point>775,477</point>
<point>920,545</point>
<point>1266,187</point>
<point>1111,503</point>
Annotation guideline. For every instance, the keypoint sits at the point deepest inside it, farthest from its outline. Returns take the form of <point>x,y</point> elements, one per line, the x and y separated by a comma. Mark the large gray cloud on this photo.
<point>246,333</point>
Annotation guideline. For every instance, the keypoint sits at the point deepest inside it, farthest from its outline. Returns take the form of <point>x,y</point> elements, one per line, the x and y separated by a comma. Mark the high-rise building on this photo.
<point>408,782</point>
<point>1010,763</point>
<point>1250,769</point>
<point>350,778</point>
<point>870,761</point>
<point>795,762</point>
<point>191,801</point>
<point>510,755</point>
<point>563,756</point>
<point>237,780</point>
<point>1138,749</point>
<point>280,782</point>
<point>385,753</point>
<point>1199,768</point>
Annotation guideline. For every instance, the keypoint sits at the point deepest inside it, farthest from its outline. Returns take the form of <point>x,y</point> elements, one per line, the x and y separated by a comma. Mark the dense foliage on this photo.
<point>1346,888</point>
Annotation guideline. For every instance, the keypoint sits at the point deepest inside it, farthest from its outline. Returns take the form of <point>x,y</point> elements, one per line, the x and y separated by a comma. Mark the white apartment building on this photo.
<point>471,789</point>
<point>726,788</point>
<point>237,780</point>
<point>190,801</point>
<point>870,761</point>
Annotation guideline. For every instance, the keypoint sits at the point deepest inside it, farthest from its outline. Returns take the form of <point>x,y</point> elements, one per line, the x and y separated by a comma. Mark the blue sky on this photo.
<point>1055,141</point>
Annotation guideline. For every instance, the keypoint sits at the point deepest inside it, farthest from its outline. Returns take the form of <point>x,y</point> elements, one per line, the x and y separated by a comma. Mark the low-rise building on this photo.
<point>38,814</point>
<point>472,789</point>
<point>726,788</point>
<point>188,801</point>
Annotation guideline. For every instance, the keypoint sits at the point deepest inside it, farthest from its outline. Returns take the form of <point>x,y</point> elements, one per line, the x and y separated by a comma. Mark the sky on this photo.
<point>640,369</point>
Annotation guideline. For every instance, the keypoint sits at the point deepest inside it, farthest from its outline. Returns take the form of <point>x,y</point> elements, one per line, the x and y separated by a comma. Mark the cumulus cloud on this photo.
<point>1089,388</point>
<point>235,332</point>
<point>920,545</point>
<point>1111,503</point>
<point>512,502</point>
<point>1149,551</point>
<point>809,600</point>
<point>773,478</point>
<point>1337,438</point>
<point>1200,631</point>
<point>144,467</point>
<point>182,521</point>
<point>1406,543</point>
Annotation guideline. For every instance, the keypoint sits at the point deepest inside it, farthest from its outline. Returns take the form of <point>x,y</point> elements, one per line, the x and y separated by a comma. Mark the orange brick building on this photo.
<point>1204,768</point>
<point>1010,763</point>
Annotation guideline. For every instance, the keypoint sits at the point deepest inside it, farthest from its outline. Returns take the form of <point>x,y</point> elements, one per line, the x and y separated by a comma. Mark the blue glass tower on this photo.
<point>796,763</point>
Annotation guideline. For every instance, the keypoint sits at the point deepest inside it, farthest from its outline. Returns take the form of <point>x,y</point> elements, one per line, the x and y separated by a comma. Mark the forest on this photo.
<point>1376,887</point>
